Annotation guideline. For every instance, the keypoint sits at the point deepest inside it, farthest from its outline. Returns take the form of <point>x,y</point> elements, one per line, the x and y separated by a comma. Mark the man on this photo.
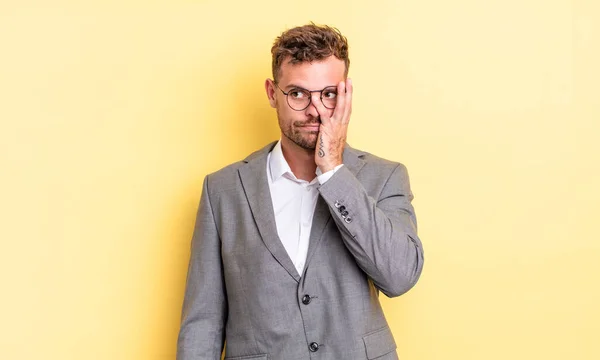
<point>293,244</point>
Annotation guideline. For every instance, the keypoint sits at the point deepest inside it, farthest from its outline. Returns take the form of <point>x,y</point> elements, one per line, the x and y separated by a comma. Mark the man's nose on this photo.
<point>312,109</point>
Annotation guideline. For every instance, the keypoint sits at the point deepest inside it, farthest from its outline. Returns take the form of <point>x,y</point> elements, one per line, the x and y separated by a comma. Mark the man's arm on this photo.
<point>204,313</point>
<point>381,234</point>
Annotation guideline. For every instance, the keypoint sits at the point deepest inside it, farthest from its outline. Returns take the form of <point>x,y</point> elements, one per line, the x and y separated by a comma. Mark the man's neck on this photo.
<point>301,161</point>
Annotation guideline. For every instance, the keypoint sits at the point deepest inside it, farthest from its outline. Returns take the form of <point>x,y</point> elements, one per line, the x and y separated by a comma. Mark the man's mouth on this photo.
<point>311,127</point>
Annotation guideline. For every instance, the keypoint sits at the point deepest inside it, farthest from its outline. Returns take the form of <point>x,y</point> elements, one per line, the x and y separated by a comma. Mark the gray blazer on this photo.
<point>242,286</point>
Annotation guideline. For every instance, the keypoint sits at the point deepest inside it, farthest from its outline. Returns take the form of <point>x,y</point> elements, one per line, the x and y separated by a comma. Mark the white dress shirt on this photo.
<point>294,202</point>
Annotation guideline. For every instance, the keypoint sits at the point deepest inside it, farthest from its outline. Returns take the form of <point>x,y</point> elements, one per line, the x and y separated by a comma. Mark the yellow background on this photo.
<point>111,114</point>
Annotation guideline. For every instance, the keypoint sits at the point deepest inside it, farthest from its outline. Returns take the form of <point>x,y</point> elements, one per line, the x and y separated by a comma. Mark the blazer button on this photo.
<point>314,347</point>
<point>306,299</point>
<point>348,219</point>
<point>344,213</point>
<point>342,208</point>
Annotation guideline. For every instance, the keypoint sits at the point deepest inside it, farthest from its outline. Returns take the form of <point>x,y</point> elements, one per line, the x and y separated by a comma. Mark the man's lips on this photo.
<point>311,127</point>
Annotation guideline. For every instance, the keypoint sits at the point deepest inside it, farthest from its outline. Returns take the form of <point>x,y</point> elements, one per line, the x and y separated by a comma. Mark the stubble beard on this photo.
<point>305,140</point>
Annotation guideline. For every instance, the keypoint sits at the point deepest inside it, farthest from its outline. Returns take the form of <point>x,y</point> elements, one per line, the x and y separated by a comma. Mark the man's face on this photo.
<point>301,128</point>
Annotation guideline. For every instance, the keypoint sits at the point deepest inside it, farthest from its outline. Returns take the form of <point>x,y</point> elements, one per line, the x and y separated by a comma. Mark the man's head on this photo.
<point>306,58</point>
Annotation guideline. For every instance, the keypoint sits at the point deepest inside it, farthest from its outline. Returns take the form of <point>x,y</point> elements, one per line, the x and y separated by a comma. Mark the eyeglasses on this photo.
<point>299,98</point>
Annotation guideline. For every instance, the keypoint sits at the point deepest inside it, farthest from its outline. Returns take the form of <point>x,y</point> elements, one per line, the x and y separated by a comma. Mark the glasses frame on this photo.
<point>287,99</point>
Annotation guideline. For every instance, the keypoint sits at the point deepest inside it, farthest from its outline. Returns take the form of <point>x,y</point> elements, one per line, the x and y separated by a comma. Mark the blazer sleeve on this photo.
<point>204,313</point>
<point>380,233</point>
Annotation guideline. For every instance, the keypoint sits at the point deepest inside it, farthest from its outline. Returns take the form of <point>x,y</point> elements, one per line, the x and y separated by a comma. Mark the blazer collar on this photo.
<point>256,187</point>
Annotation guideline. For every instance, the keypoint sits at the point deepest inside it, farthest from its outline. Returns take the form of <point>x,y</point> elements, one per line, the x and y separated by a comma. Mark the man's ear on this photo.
<point>271,93</point>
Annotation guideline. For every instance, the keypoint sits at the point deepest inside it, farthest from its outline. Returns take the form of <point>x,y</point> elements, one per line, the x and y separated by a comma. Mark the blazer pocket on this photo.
<point>249,357</point>
<point>379,343</point>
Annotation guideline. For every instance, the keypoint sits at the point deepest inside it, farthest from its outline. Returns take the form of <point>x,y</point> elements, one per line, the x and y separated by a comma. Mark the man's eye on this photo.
<point>297,94</point>
<point>330,94</point>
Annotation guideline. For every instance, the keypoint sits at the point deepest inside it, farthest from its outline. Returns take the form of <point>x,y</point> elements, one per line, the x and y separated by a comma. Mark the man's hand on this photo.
<point>333,130</point>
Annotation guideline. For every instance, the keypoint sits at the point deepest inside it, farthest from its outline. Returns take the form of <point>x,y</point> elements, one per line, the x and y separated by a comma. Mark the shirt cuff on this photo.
<point>323,177</point>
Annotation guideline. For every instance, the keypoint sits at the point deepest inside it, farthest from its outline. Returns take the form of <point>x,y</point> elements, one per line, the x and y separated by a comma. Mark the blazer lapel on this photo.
<point>320,220</point>
<point>256,187</point>
<point>353,160</point>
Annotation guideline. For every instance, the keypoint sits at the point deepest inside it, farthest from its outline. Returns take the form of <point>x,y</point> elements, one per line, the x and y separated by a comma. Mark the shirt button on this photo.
<point>306,299</point>
<point>314,347</point>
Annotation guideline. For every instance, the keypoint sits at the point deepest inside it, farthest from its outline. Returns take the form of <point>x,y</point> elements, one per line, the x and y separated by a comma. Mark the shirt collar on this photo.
<point>277,163</point>
<point>279,167</point>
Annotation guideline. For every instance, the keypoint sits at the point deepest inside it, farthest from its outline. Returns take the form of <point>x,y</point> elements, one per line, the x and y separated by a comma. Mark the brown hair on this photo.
<point>308,43</point>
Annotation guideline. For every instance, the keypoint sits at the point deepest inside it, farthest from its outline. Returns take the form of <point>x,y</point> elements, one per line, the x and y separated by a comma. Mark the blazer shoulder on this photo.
<point>376,162</point>
<point>227,178</point>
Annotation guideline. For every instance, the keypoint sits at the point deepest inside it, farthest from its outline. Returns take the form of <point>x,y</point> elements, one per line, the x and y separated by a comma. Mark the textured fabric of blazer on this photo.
<point>243,288</point>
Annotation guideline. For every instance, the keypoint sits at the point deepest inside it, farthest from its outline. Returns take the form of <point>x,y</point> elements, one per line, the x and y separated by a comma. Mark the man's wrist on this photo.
<point>324,176</point>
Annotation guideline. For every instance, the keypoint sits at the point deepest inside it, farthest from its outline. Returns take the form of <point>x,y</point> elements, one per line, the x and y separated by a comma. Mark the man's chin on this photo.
<point>305,141</point>
<point>312,141</point>
<point>308,145</point>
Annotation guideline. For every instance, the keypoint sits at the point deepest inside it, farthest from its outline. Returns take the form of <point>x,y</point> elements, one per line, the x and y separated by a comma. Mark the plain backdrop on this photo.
<point>112,113</point>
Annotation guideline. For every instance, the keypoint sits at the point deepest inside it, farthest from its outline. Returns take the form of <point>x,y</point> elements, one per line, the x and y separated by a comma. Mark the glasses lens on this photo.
<point>329,97</point>
<point>298,99</point>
